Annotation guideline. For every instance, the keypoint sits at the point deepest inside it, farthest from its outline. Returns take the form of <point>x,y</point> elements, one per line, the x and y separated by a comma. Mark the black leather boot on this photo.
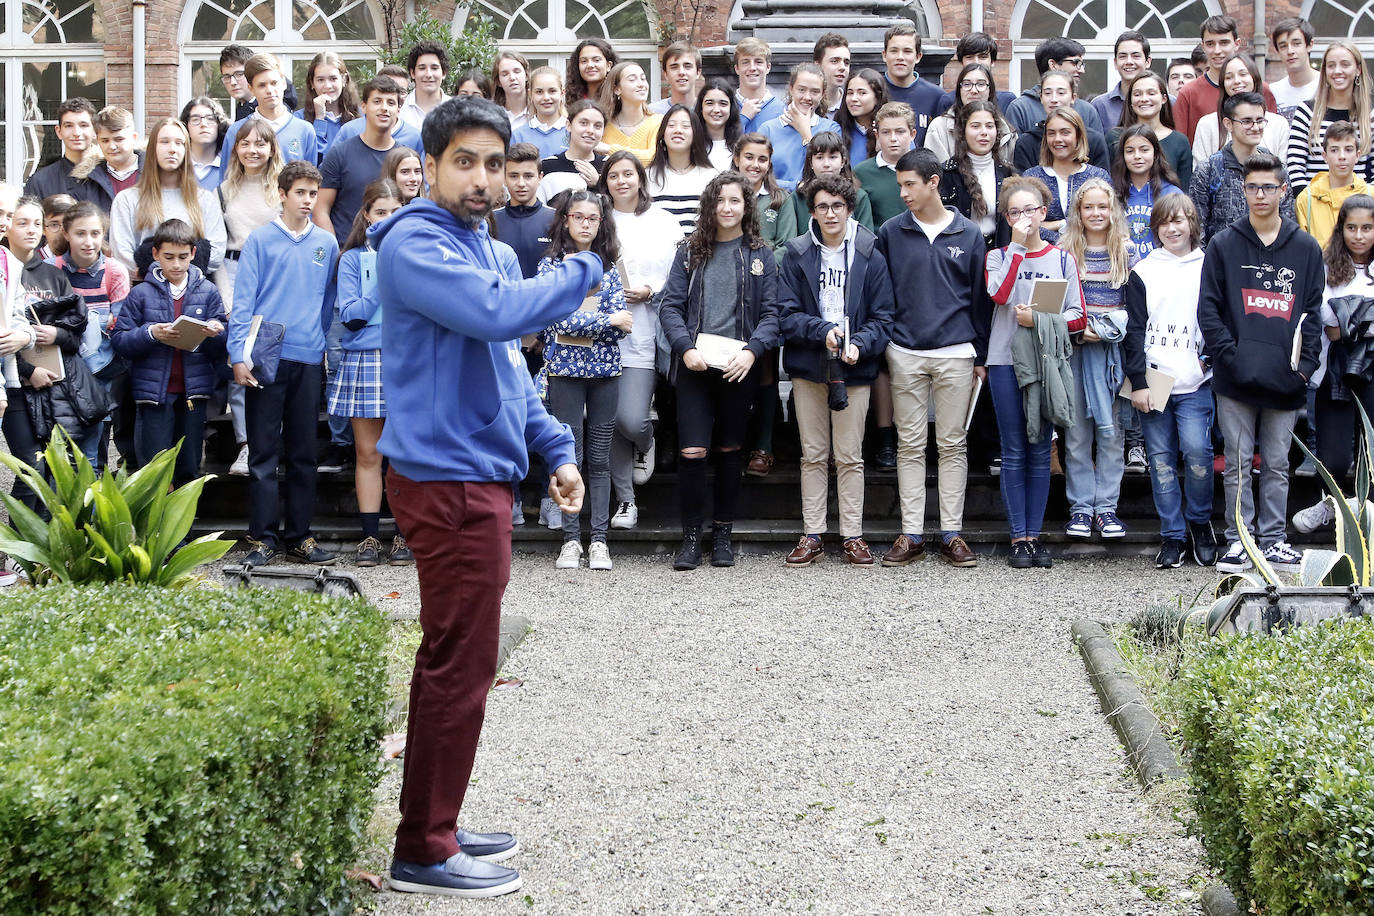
<point>689,554</point>
<point>722,551</point>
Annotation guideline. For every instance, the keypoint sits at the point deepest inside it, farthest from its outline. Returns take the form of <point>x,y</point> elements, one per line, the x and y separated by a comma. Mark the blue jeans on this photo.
<point>1092,483</point>
<point>1025,466</point>
<point>1182,430</point>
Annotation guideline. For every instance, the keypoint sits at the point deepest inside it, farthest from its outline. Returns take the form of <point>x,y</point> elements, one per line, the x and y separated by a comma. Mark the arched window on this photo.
<point>1172,26</point>
<point>52,50</point>
<point>1342,19</point>
<point>546,31</point>
<point>294,30</point>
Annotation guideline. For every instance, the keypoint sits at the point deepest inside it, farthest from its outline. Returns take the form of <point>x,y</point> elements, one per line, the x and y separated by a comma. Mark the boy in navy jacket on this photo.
<point>171,385</point>
<point>286,275</point>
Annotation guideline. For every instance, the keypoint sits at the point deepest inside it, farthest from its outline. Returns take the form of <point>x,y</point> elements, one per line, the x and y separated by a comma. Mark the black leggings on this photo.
<point>712,412</point>
<point>23,444</point>
<point>1338,423</point>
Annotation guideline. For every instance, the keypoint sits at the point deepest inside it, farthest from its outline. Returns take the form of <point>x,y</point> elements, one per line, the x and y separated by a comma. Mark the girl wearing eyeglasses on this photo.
<point>975,84</point>
<point>582,365</point>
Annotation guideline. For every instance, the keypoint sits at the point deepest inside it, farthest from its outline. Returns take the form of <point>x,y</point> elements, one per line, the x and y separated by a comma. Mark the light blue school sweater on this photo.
<point>550,140</point>
<point>354,305</point>
<point>286,280</point>
<point>771,109</point>
<point>789,154</point>
<point>326,129</point>
<point>297,139</point>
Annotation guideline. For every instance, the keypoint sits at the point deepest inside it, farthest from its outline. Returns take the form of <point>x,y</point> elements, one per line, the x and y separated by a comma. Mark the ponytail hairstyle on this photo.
<point>381,189</point>
<point>776,195</point>
<point>1340,266</point>
<point>1074,239</point>
<point>979,206</point>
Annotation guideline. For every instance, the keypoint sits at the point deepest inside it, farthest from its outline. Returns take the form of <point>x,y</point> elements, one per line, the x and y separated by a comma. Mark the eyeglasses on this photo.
<point>840,207</point>
<point>232,77</point>
<point>974,84</point>
<point>1251,123</point>
<point>200,119</point>
<point>1014,215</point>
<point>1262,190</point>
<point>1073,61</point>
<point>591,219</point>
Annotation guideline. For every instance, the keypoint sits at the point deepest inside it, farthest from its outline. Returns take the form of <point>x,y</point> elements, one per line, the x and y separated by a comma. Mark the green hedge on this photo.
<point>1279,736</point>
<point>193,751</point>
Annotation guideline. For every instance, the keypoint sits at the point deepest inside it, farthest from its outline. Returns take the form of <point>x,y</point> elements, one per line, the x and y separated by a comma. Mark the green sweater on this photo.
<point>801,213</point>
<point>777,227</point>
<point>881,185</point>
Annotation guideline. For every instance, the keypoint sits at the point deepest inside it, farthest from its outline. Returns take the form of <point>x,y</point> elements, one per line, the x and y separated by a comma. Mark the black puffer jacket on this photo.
<point>72,402</point>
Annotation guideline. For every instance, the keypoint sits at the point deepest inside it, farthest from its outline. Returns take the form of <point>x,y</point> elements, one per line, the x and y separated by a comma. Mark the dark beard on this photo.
<point>463,213</point>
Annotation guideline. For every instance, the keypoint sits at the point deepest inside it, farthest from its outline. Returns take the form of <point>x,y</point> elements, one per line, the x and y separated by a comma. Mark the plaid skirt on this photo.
<point>355,389</point>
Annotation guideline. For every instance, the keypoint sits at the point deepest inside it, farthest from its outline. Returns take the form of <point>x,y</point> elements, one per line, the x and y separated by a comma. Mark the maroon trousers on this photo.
<point>460,534</point>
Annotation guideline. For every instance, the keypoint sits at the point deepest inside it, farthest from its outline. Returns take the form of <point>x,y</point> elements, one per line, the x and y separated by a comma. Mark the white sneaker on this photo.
<point>644,465</point>
<point>570,557</point>
<point>598,556</point>
<point>1319,515</point>
<point>626,516</point>
<point>240,466</point>
<point>1281,554</point>
<point>1235,559</point>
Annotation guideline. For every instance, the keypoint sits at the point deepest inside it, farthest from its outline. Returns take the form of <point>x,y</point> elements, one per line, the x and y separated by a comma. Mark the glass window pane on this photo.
<point>529,19</point>
<point>351,19</point>
<point>1329,19</point>
<point>215,19</point>
<point>1042,20</point>
<point>42,90</point>
<point>205,81</point>
<point>629,21</point>
<point>87,78</point>
<point>80,22</point>
<point>257,22</point>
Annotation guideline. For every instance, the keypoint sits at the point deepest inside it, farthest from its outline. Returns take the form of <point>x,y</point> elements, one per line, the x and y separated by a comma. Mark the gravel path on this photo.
<point>826,740</point>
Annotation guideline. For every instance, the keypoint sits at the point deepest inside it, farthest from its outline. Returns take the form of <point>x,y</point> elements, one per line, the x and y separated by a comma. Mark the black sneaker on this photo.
<point>334,459</point>
<point>260,555</point>
<point>1040,555</point>
<point>369,552</point>
<point>1170,554</point>
<point>307,551</point>
<point>1203,543</point>
<point>400,553</point>
<point>1022,555</point>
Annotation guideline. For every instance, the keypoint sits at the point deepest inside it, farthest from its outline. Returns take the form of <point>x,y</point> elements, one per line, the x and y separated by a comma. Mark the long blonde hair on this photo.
<point>1074,240</point>
<point>148,214</point>
<point>1359,93</point>
<point>234,173</point>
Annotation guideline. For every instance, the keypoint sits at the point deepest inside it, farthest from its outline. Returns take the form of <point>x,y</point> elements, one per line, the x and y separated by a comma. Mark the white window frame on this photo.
<point>18,48</point>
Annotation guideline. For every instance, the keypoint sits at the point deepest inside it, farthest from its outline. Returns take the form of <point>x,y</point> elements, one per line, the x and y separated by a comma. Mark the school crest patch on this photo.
<point>319,256</point>
<point>756,268</point>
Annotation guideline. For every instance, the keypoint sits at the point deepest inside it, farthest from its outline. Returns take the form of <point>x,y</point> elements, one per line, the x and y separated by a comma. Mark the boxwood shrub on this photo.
<point>194,751</point>
<point>1279,737</point>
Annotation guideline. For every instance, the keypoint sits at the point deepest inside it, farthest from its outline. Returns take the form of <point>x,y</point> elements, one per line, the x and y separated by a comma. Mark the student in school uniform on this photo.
<point>546,126</point>
<point>267,80</point>
<point>403,166</point>
<point>523,223</point>
<point>757,106</point>
<point>171,384</point>
<point>207,124</point>
<point>286,276</point>
<point>330,99</point>
<point>577,167</point>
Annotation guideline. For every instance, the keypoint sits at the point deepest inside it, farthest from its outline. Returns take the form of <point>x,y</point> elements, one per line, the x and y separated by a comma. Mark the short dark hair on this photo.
<point>1220,25</point>
<point>427,47</point>
<point>1340,130</point>
<point>300,170</point>
<point>82,209</point>
<point>825,43</point>
<point>175,232</point>
<point>900,30</point>
<point>523,152</point>
<point>975,43</point>
<point>456,115</point>
<point>922,161</point>
<point>1131,35</point>
<point>1228,107</point>
<point>1198,57</point>
<point>581,105</point>
<point>1055,49</point>
<point>395,71</point>
<point>235,54</point>
<point>1291,24</point>
<point>832,184</point>
<point>1265,162</point>
<point>76,105</point>
<point>383,84</point>
<point>1179,62</point>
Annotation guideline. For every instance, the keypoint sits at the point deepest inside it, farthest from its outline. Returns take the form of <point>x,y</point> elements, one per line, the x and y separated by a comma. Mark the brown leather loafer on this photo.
<point>807,551</point>
<point>760,463</point>
<point>904,550</point>
<point>957,553</point>
<point>857,553</point>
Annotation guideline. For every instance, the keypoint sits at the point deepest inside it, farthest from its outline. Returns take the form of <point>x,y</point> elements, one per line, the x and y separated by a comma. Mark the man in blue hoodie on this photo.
<point>462,417</point>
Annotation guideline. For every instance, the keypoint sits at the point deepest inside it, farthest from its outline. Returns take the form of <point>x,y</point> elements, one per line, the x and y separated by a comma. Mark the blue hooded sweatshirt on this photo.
<point>460,401</point>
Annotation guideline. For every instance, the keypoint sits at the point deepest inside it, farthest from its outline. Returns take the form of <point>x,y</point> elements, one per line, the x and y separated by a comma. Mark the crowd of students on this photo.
<point>881,245</point>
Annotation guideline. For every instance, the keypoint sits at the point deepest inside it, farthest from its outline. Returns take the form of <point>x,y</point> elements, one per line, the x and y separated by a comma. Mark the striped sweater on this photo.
<point>103,286</point>
<point>680,193</point>
<point>1304,160</point>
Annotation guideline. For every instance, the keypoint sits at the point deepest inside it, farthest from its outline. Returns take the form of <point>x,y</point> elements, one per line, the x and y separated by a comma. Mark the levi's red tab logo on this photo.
<point>1269,303</point>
